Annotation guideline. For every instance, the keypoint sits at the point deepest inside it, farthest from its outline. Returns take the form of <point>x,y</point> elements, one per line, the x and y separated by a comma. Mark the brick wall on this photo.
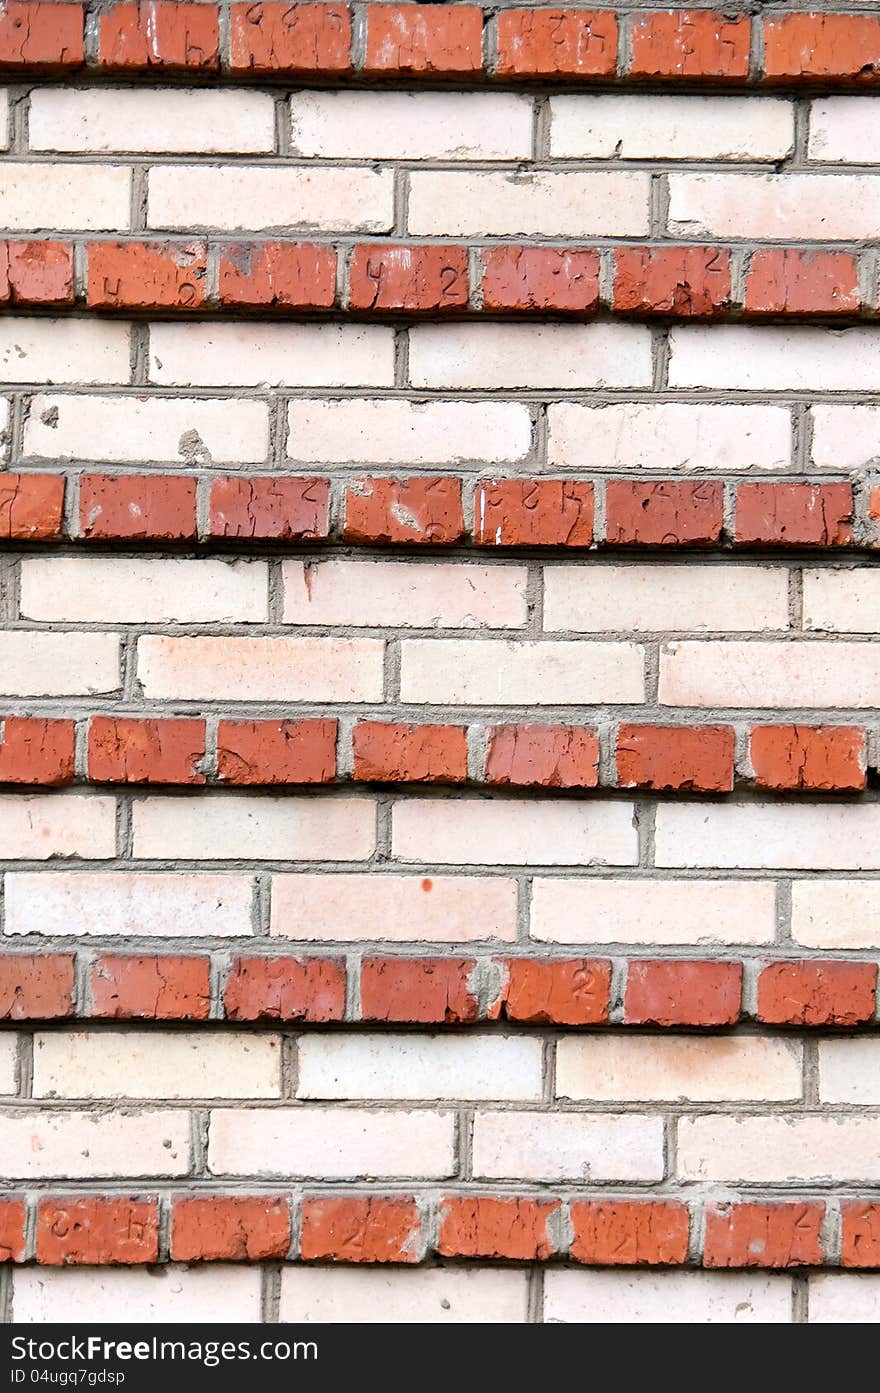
<point>439,680</point>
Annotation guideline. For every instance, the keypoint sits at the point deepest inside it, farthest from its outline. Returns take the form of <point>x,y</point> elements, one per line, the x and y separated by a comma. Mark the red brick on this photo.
<point>822,46</point>
<point>683,993</point>
<point>696,759</point>
<point>97,1231</point>
<point>285,989</point>
<point>418,990</point>
<point>544,992</point>
<point>629,1233</point>
<point>860,1234</point>
<point>669,513</point>
<point>41,35</point>
<point>540,278</point>
<point>534,756</point>
<point>36,751</point>
<point>808,757</point>
<point>404,511</point>
<point>815,993</point>
<point>13,1216</point>
<point>533,513</point>
<point>146,275</point>
<point>292,275</point>
<point>368,1229</point>
<point>284,38</point>
<point>137,507</point>
<point>31,506</point>
<point>561,42</point>
<point>408,278</point>
<point>487,1226</point>
<point>219,1228</point>
<point>794,515</point>
<point>685,282</point>
<point>276,752</point>
<point>154,987</point>
<point>391,752</point>
<point>164,35</point>
<point>36,273</point>
<point>424,39</point>
<point>691,44</point>
<point>270,509</point>
<point>786,280</point>
<point>123,750</point>
<point>36,986</point>
<point>763,1235</point>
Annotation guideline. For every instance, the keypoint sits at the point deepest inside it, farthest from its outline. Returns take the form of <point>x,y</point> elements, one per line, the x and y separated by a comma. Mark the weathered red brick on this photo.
<point>557,43</point>
<point>123,750</point>
<point>683,993</point>
<point>37,34</point>
<point>541,991</point>
<point>285,989</point>
<point>809,757</point>
<point>788,280</point>
<point>361,1229</point>
<point>36,751</point>
<point>96,1231</point>
<point>137,507</point>
<point>13,1217</point>
<point>276,752</point>
<point>160,987</point>
<point>696,759</point>
<point>822,46</point>
<point>31,506</point>
<point>763,1235</point>
<point>283,38</point>
<point>533,513</point>
<point>424,39</point>
<point>686,282</point>
<point>794,515</point>
<point>668,513</point>
<point>536,756</point>
<point>36,273</point>
<point>408,278</point>
<point>540,278</point>
<point>146,275</point>
<point>412,990</point>
<point>394,752</point>
<point>629,1233</point>
<point>36,987</point>
<point>404,511</point>
<point>489,1226</point>
<point>860,1234</point>
<point>292,275</point>
<point>816,993</point>
<point>691,44</point>
<point>270,509</point>
<point>220,1228</point>
<point>161,34</point>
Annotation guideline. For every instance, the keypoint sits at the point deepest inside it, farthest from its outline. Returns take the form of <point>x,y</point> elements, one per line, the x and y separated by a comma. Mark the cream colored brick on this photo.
<point>4,120</point>
<point>762,358</point>
<point>692,1068</point>
<point>395,1296</point>
<point>239,198</point>
<point>131,430</point>
<point>666,1298</point>
<point>667,127</point>
<point>521,1146</point>
<point>125,590</point>
<point>844,438</point>
<point>653,911</point>
<point>774,207</point>
<point>412,1067</point>
<point>779,1150</point>
<point>601,599</point>
<point>394,908</point>
<point>261,669</point>
<point>45,664</point>
<point>530,355</point>
<point>538,203</point>
<point>63,350</point>
<point>41,826</point>
<point>390,433</point>
<point>59,197</point>
<point>411,125</point>
<point>836,913</point>
<point>297,355</point>
<point>332,1143</point>
<point>51,1143</point>
<point>110,119</point>
<point>796,836</point>
<point>844,1298</point>
<point>843,131</point>
<point>228,825</point>
<point>487,672</point>
<point>118,904</point>
<point>769,674</point>
<point>842,600</point>
<point>156,1064</point>
<point>508,832</point>
<point>404,594</point>
<point>8,1059</point>
<point>206,1295</point>
<point>671,436</point>
<point>849,1072</point>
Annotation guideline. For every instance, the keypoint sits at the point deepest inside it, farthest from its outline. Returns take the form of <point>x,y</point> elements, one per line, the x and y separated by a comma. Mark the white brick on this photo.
<point>597,599</point>
<point>261,669</point>
<point>693,1068</point>
<point>567,1146</point>
<point>530,355</point>
<point>46,1143</point>
<point>487,672</point>
<point>796,836</point>
<point>836,913</point>
<point>63,350</point>
<point>4,120</point>
<point>842,600</point>
<point>671,436</point>
<point>130,430</point>
<point>843,131</point>
<point>779,1150</point>
<point>111,119</point>
<point>240,198</point>
<point>125,590</point>
<point>156,1064</point>
<point>44,664</point>
<point>117,904</point>
<point>675,128</point>
<point>774,359</point>
<point>65,197</point>
<point>395,1296</point>
<point>175,1294</point>
<point>508,832</point>
<point>390,433</point>
<point>394,908</point>
<point>298,355</point>
<point>844,1298</point>
<point>332,1143</point>
<point>774,207</point>
<point>411,125</point>
<point>8,1057</point>
<point>653,911</point>
<point>39,827</point>
<point>844,438</point>
<point>769,674</point>
<point>849,1072</point>
<point>666,1298</point>
<point>542,203</point>
<point>405,594</point>
<point>411,1067</point>
<point>228,825</point>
